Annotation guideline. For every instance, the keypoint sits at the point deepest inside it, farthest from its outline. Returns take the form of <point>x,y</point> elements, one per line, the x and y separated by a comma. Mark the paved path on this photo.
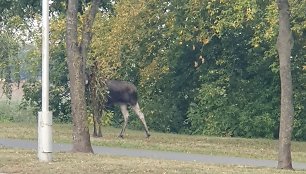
<point>207,159</point>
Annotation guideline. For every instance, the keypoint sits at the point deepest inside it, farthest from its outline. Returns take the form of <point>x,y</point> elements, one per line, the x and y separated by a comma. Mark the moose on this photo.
<point>124,94</point>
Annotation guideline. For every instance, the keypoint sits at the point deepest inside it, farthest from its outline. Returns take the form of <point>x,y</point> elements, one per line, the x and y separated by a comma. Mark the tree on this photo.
<point>167,41</point>
<point>235,92</point>
<point>9,48</point>
<point>12,29</point>
<point>76,57</point>
<point>284,46</point>
<point>201,67</point>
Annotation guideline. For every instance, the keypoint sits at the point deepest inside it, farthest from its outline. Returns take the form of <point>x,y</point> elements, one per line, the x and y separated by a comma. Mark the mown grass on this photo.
<point>25,161</point>
<point>239,147</point>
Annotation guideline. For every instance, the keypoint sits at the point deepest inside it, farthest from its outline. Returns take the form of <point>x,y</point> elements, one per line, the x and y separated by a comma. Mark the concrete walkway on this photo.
<point>207,159</point>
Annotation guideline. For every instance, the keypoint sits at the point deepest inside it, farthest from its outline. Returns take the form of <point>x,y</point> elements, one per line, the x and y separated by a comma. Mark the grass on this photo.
<point>239,147</point>
<point>20,124</point>
<point>25,161</point>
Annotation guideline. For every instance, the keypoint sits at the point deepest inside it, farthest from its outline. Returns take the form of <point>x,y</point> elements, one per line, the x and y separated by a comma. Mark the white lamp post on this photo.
<point>45,116</point>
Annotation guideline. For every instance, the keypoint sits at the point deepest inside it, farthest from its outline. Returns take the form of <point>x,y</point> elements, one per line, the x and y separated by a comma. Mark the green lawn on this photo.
<point>25,161</point>
<point>239,147</point>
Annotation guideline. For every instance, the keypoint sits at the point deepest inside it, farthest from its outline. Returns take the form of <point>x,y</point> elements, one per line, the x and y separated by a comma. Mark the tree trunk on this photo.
<point>76,56</point>
<point>284,46</point>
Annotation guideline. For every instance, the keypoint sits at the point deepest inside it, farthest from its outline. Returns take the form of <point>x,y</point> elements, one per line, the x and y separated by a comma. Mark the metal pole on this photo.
<point>45,116</point>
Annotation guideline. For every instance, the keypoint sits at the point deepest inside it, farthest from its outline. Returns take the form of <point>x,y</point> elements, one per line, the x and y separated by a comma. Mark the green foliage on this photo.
<point>201,67</point>
<point>11,112</point>
<point>205,67</point>
<point>59,100</point>
<point>9,62</point>
<point>59,89</point>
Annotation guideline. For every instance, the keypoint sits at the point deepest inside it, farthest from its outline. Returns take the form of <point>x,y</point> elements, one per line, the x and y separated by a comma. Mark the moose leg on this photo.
<point>97,126</point>
<point>140,115</point>
<point>94,134</point>
<point>125,114</point>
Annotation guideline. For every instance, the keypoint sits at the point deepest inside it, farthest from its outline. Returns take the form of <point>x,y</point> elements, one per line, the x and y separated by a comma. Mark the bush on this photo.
<point>12,112</point>
<point>59,100</point>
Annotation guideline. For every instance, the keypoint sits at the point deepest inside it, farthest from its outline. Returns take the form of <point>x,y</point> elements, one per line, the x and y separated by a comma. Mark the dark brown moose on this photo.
<point>124,94</point>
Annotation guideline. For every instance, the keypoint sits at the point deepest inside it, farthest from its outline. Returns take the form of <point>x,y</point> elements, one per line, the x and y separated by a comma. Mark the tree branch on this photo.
<point>87,30</point>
